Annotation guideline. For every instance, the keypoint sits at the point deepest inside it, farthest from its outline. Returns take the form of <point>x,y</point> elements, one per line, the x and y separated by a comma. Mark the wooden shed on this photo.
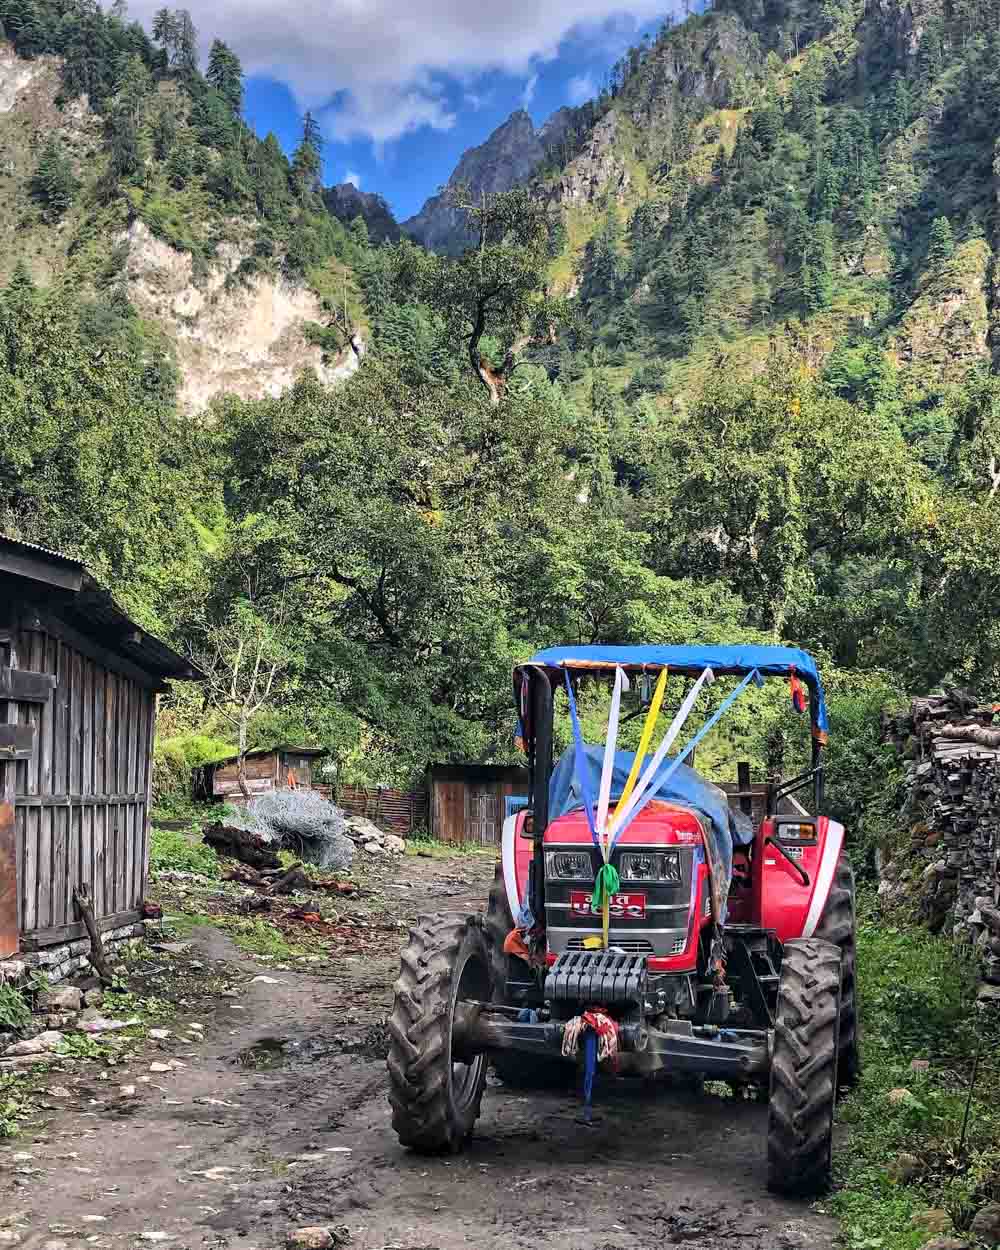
<point>78,689</point>
<point>468,802</point>
<point>277,768</point>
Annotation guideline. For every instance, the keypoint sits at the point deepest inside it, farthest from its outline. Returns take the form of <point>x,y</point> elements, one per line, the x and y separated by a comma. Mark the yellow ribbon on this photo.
<point>647,737</point>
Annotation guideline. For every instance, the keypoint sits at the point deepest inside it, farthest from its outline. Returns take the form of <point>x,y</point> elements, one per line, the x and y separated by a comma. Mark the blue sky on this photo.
<point>402,87</point>
<point>407,169</point>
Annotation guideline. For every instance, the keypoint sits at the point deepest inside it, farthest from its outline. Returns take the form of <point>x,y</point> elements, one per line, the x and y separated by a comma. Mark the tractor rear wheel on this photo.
<point>804,1069</point>
<point>514,1067</point>
<point>837,925</point>
<point>435,1099</point>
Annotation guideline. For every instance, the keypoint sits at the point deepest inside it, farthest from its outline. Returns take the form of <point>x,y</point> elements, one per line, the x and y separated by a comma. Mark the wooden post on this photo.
<point>743,783</point>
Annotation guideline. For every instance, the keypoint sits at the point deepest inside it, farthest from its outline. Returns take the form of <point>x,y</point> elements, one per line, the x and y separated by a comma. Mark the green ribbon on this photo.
<point>608,883</point>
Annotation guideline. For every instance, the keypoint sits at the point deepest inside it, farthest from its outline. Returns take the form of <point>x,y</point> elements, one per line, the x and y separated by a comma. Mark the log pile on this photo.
<point>952,744</point>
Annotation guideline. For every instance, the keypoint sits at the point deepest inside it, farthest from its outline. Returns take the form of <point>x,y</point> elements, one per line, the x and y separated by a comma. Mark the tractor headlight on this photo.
<point>650,866</point>
<point>569,866</point>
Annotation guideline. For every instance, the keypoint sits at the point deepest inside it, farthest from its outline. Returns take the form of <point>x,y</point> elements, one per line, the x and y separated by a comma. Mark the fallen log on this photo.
<point>248,848</point>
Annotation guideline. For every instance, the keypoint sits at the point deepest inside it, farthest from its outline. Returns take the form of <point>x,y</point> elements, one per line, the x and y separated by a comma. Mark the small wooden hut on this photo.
<point>276,768</point>
<point>78,689</point>
<point>469,802</point>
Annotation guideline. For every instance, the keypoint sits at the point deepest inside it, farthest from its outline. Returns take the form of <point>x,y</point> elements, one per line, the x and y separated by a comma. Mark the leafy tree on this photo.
<point>496,287</point>
<point>242,639</point>
<point>90,460</point>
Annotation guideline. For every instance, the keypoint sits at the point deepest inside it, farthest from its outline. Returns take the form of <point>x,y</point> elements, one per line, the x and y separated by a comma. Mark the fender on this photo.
<point>784,904</point>
<point>515,856</point>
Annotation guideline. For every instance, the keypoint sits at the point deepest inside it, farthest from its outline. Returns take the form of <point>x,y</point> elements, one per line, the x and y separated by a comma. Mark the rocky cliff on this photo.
<point>226,333</point>
<point>509,157</point>
<point>347,202</point>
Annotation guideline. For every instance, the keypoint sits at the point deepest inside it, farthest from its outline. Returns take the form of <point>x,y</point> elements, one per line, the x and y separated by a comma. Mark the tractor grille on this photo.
<point>678,946</point>
<point>632,946</point>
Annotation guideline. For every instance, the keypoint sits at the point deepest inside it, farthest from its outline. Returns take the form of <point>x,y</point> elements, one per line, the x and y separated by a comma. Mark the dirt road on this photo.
<point>279,1119</point>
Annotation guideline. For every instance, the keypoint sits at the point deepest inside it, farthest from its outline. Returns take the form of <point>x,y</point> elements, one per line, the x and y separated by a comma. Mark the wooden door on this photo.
<point>481,817</point>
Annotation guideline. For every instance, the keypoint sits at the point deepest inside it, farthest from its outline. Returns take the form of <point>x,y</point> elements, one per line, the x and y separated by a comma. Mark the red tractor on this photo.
<point>721,948</point>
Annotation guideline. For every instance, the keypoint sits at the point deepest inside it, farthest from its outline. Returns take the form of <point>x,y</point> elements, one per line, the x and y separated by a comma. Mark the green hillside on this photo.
<point>724,370</point>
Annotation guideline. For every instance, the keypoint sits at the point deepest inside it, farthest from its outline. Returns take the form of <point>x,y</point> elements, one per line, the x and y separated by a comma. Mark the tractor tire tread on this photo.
<point>804,1068</point>
<point>424,1113</point>
<point>837,925</point>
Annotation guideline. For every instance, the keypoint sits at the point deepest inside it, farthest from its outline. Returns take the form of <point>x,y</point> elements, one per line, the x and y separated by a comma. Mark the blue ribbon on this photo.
<point>580,756</point>
<point>657,786</point>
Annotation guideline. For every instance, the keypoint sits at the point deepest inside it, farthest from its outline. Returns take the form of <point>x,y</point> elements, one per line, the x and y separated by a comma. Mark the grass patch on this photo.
<point>917,1000</point>
<point>432,848</point>
<point>258,937</point>
<point>176,851</point>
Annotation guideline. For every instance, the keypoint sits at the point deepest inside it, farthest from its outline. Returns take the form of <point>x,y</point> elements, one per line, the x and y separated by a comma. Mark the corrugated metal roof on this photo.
<point>38,549</point>
<point>259,752</point>
<point>93,611</point>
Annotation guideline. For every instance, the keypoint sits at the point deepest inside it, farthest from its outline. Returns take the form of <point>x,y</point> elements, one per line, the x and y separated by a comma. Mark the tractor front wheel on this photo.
<point>435,1099</point>
<point>804,1069</point>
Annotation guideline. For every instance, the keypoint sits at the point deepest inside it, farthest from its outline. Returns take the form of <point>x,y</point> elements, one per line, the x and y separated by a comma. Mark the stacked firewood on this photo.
<point>953,800</point>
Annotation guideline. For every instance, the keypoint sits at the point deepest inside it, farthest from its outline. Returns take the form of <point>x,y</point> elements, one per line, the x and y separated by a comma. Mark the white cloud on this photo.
<point>378,59</point>
<point>528,94</point>
<point>581,89</point>
<point>354,179</point>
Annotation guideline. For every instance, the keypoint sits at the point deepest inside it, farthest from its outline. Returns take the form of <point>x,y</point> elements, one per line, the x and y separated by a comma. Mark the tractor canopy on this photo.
<point>787,662</point>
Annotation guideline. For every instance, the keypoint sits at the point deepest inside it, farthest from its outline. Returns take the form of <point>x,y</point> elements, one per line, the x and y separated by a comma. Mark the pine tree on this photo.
<point>307,162</point>
<point>941,246</point>
<point>225,74</point>
<point>359,232</point>
<point>20,289</point>
<point>817,272</point>
<point>766,128</point>
<point>165,32</point>
<point>53,183</point>
<point>187,45</point>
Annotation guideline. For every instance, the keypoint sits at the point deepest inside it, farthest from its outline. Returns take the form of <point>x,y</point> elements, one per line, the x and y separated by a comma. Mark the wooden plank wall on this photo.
<point>8,827</point>
<point>82,801</point>
<point>399,811</point>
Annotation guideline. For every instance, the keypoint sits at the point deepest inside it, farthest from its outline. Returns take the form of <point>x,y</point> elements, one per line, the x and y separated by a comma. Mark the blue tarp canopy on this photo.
<point>726,827</point>
<point>768,661</point>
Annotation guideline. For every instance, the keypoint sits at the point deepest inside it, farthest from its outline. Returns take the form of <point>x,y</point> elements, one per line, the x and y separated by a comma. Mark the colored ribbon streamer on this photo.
<point>606,886</point>
<point>581,761</point>
<point>625,811</point>
<point>676,763</point>
<point>607,771</point>
<point>647,737</point>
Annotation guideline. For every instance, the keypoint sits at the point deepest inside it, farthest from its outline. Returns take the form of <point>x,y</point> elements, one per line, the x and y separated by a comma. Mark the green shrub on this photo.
<point>14,1010</point>
<point>174,759</point>
<point>171,850</point>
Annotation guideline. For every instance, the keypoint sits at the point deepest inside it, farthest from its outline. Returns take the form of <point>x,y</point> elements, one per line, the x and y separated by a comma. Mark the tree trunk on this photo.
<point>241,764</point>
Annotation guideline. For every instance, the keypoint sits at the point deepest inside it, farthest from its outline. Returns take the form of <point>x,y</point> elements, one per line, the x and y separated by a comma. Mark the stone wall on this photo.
<point>59,962</point>
<point>949,867</point>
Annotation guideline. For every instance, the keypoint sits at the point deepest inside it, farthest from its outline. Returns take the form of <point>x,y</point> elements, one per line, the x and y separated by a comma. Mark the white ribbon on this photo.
<point>607,772</point>
<point>646,780</point>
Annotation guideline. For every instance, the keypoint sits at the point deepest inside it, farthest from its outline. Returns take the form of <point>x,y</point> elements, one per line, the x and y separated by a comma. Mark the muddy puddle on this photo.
<point>269,1053</point>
